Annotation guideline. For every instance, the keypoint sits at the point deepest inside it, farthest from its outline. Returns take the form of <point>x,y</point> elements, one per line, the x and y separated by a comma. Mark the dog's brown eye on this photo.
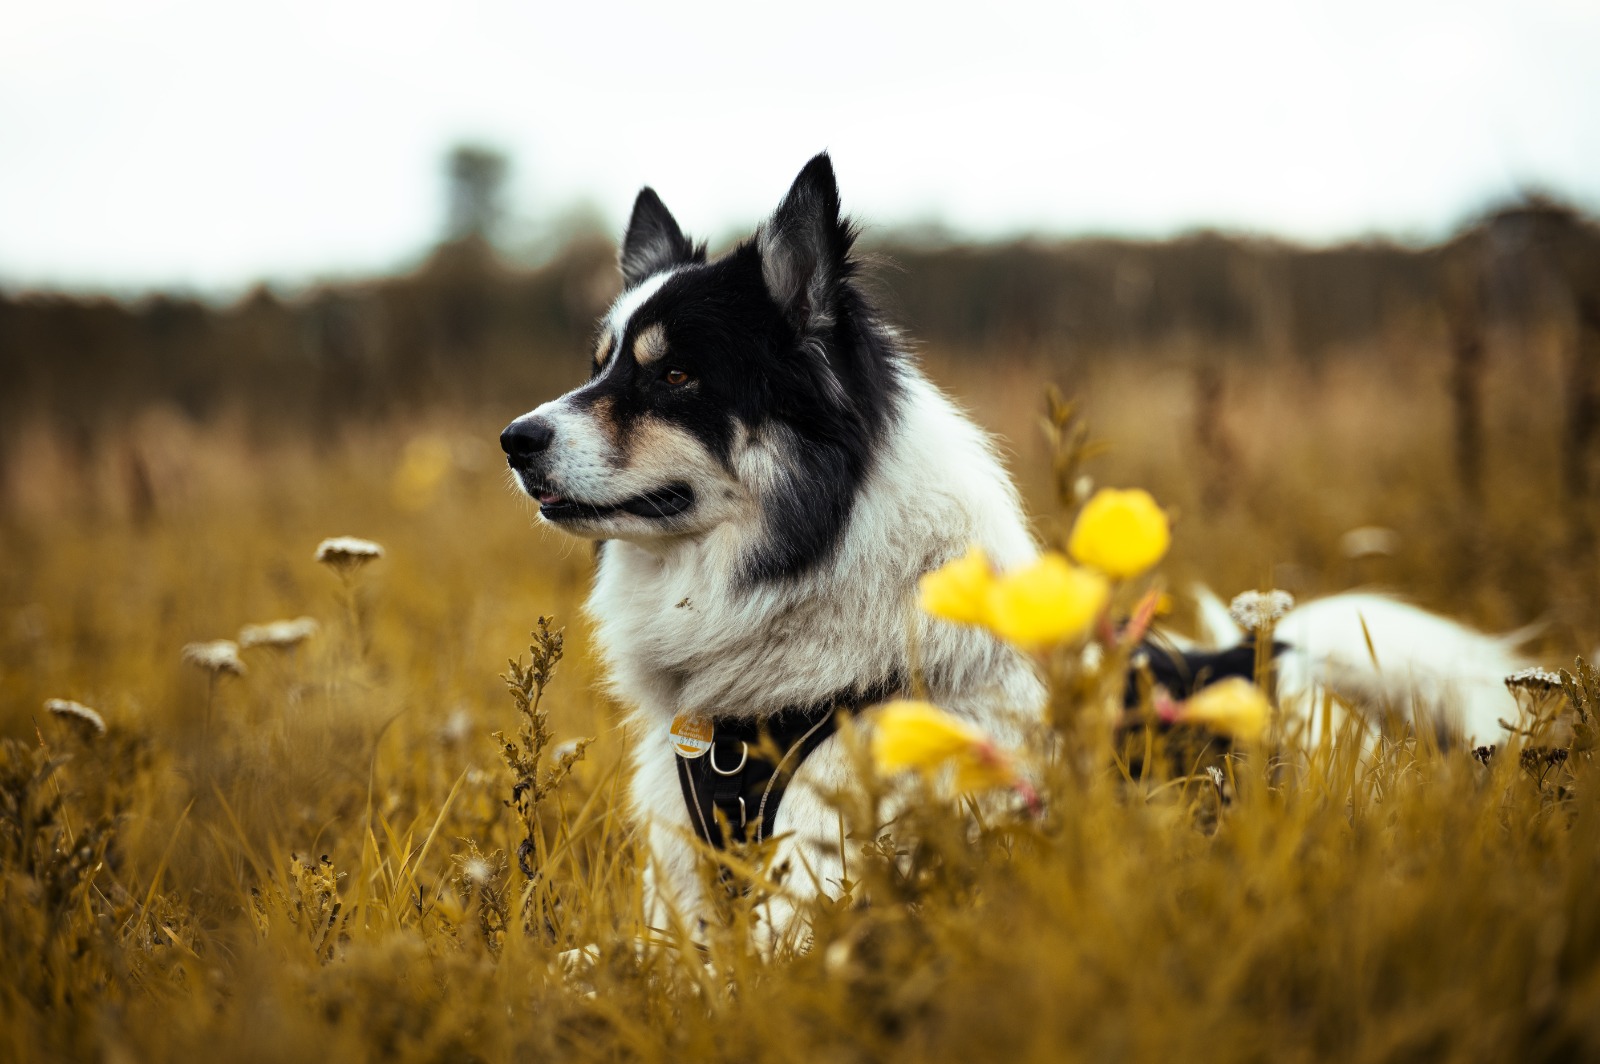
<point>675,377</point>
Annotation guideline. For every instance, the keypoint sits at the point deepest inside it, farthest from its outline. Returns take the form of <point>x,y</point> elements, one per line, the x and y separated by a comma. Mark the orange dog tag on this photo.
<point>691,735</point>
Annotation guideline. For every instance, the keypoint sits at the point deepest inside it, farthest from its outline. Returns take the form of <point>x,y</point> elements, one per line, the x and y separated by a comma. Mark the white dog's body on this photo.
<point>1387,656</point>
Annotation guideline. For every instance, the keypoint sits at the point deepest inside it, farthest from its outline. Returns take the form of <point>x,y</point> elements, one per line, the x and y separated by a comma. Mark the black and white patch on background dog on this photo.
<point>770,473</point>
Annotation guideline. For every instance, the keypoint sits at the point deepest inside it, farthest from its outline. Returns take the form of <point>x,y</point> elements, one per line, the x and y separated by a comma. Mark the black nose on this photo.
<point>526,436</point>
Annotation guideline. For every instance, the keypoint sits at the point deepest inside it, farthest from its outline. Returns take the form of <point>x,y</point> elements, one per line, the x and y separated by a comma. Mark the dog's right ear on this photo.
<point>653,242</point>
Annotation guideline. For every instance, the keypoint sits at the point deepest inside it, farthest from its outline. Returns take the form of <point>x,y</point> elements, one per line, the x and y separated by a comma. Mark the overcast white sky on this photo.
<point>204,143</point>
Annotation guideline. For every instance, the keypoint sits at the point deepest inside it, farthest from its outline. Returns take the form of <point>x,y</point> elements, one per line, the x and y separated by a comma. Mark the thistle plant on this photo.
<point>479,881</point>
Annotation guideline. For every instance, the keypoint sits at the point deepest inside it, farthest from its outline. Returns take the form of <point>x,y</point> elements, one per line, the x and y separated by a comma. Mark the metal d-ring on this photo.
<point>744,755</point>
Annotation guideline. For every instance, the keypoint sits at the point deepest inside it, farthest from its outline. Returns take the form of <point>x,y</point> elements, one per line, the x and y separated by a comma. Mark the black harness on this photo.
<point>1183,672</point>
<point>737,778</point>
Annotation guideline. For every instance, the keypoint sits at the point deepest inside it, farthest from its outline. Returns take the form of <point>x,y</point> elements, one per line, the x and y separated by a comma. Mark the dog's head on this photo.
<point>746,390</point>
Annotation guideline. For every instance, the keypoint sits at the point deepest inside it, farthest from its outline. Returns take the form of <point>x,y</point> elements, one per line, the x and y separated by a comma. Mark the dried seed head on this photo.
<point>457,728</point>
<point>477,870</point>
<point>346,554</point>
<point>278,634</point>
<point>216,657</point>
<point>1534,679</point>
<point>1254,610</point>
<point>85,721</point>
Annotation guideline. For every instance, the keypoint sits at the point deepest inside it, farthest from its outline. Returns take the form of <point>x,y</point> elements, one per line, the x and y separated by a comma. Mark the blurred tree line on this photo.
<point>466,327</point>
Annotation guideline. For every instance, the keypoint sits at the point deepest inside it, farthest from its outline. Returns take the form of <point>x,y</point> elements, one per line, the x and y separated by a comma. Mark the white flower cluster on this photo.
<point>216,657</point>
<point>1255,610</point>
<point>347,552</point>
<point>76,714</point>
<point>1534,679</point>
<point>279,634</point>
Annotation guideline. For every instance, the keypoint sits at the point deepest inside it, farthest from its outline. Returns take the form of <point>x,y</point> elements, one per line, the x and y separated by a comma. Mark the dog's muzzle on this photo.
<point>526,442</point>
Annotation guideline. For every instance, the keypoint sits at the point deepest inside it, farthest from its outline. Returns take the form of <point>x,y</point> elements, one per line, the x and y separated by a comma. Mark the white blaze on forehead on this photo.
<point>629,302</point>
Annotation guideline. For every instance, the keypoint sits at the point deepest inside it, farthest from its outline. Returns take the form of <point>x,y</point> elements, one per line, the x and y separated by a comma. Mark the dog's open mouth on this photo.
<point>660,503</point>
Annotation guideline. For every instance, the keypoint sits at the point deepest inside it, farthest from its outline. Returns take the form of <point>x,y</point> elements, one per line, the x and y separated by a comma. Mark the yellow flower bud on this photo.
<point>958,590</point>
<point>1234,706</point>
<point>909,734</point>
<point>1120,533</point>
<point>1048,602</point>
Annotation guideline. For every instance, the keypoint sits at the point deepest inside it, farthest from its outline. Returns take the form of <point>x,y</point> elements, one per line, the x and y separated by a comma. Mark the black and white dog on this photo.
<point>769,473</point>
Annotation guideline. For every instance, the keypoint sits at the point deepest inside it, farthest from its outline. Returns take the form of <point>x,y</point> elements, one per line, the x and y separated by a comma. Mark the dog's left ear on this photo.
<point>805,248</point>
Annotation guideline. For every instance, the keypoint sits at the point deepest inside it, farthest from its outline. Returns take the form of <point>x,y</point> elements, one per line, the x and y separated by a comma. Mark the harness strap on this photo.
<point>735,778</point>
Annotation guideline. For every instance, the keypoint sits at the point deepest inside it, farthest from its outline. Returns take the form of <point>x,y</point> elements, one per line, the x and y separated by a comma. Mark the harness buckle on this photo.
<point>744,755</point>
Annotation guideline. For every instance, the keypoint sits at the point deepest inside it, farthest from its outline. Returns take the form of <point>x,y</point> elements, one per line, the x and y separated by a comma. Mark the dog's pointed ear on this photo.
<point>805,248</point>
<point>653,242</point>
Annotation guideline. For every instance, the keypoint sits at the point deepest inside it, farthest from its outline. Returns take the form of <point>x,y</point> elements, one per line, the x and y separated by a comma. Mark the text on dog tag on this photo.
<point>691,735</point>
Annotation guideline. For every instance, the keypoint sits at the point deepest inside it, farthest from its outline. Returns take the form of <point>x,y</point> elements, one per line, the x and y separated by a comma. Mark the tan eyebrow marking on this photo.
<point>650,345</point>
<point>603,353</point>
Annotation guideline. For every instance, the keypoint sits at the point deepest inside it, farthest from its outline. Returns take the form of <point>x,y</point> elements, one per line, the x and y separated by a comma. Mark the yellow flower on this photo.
<point>1048,602</point>
<point>908,734</point>
<point>1039,605</point>
<point>1120,533</point>
<point>958,590</point>
<point>1234,706</point>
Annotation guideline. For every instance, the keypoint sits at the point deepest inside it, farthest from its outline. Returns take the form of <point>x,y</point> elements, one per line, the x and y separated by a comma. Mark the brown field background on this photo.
<point>168,468</point>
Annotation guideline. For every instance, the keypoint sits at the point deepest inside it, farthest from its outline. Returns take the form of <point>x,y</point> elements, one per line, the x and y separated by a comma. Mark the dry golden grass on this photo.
<point>317,859</point>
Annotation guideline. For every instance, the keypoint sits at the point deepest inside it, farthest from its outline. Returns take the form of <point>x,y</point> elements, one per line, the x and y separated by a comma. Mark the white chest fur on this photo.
<point>680,630</point>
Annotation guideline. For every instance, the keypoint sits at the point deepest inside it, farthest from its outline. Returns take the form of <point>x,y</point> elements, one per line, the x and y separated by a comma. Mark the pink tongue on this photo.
<point>549,498</point>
